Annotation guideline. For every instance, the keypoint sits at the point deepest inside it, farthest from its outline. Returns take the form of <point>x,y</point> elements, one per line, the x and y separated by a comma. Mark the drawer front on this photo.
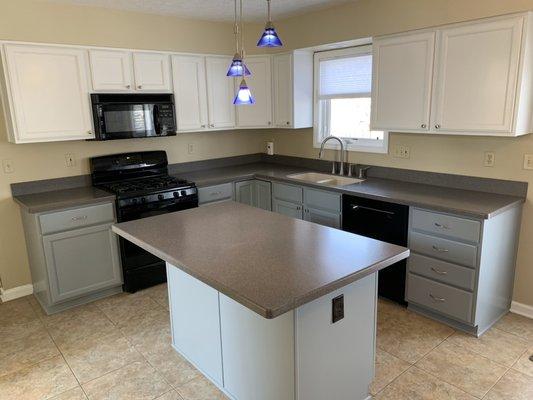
<point>215,193</point>
<point>452,302</point>
<point>76,218</point>
<point>323,200</point>
<point>454,227</point>
<point>444,249</point>
<point>442,271</point>
<point>287,192</point>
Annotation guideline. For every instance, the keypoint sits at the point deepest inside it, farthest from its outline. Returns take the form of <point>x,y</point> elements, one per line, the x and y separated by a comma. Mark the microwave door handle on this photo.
<point>157,127</point>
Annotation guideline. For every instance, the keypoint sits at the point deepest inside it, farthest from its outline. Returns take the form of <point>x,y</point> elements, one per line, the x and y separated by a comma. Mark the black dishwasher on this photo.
<point>383,221</point>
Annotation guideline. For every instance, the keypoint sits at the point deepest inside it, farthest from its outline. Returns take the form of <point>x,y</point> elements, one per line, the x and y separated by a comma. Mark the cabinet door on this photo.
<point>244,192</point>
<point>258,115</point>
<point>49,93</point>
<point>152,72</point>
<point>476,77</point>
<point>282,85</point>
<point>81,261</point>
<point>322,217</point>
<point>289,209</point>
<point>263,195</point>
<point>402,77</point>
<point>190,92</point>
<point>111,70</point>
<point>220,93</point>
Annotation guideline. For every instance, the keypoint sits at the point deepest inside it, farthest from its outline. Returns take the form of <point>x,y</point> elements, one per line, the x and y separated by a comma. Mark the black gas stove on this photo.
<point>143,188</point>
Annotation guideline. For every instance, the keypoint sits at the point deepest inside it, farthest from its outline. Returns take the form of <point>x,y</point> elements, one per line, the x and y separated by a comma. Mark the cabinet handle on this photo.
<point>437,299</point>
<point>298,208</point>
<point>211,125</point>
<point>215,193</point>
<point>437,126</point>
<point>203,126</point>
<point>441,226</point>
<point>439,249</point>
<point>80,218</point>
<point>438,271</point>
<point>423,126</point>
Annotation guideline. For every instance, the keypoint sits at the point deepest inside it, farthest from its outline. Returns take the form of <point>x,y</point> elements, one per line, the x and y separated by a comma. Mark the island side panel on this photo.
<point>336,360</point>
<point>195,322</point>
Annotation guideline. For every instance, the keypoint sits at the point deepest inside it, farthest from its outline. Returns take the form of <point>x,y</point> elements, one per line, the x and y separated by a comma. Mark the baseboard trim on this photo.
<point>522,309</point>
<point>15,293</point>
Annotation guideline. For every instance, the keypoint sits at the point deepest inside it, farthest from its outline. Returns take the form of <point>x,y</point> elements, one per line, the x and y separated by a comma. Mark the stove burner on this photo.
<point>144,185</point>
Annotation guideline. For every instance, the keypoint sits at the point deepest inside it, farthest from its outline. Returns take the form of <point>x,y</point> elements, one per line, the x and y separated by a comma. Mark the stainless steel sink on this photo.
<point>325,179</point>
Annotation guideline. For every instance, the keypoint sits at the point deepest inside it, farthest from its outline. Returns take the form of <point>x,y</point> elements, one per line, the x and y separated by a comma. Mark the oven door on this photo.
<point>133,257</point>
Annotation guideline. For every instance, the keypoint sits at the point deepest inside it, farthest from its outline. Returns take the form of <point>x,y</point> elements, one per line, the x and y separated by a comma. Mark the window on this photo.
<point>343,84</point>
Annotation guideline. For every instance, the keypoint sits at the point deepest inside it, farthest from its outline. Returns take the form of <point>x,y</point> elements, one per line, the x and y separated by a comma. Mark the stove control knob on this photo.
<point>143,199</point>
<point>161,197</point>
<point>176,194</point>
<point>183,192</point>
<point>134,201</point>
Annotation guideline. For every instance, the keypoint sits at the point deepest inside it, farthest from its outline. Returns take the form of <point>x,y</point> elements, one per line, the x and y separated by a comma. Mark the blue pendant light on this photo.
<point>270,37</point>
<point>244,96</point>
<point>237,66</point>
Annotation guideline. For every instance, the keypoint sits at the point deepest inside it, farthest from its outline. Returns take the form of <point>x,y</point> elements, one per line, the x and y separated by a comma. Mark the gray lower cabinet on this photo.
<point>461,270</point>
<point>73,254</point>
<point>314,205</point>
<point>254,192</point>
<point>215,193</point>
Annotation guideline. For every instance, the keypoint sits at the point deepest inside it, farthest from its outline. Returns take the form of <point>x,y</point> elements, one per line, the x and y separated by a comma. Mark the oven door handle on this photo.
<point>356,207</point>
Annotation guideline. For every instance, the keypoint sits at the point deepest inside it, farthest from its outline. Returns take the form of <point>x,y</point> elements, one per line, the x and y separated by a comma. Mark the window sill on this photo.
<point>384,149</point>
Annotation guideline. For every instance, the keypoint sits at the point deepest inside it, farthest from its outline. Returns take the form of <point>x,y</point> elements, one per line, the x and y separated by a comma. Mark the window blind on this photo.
<point>345,77</point>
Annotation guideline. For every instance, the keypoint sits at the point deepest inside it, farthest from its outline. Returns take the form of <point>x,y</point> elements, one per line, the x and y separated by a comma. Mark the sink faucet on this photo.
<point>342,153</point>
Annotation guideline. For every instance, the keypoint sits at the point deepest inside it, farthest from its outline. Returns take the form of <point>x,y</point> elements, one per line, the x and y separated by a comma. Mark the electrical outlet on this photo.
<point>70,160</point>
<point>489,159</point>
<point>190,148</point>
<point>337,308</point>
<point>402,152</point>
<point>528,161</point>
<point>8,166</point>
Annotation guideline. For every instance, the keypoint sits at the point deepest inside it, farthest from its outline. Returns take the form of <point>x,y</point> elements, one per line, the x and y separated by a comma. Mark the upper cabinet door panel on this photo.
<point>49,93</point>
<point>258,115</point>
<point>283,93</point>
<point>190,92</point>
<point>476,78</point>
<point>111,70</point>
<point>152,72</point>
<point>220,93</point>
<point>402,76</point>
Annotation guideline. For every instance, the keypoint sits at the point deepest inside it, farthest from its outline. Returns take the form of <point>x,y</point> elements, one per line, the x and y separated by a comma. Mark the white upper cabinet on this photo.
<point>401,91</point>
<point>152,72</point>
<point>46,93</point>
<point>292,85</point>
<point>220,93</point>
<point>111,70</point>
<point>190,92</point>
<point>258,115</point>
<point>476,76</point>
<point>479,83</point>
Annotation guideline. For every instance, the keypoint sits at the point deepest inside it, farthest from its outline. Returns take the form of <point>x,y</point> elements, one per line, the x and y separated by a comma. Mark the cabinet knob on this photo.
<point>288,123</point>
<point>140,87</point>
<point>203,126</point>
<point>89,132</point>
<point>128,86</point>
<point>437,126</point>
<point>423,126</point>
<point>270,122</point>
<point>211,125</point>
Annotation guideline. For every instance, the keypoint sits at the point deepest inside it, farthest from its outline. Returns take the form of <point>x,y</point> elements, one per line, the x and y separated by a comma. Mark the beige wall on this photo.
<point>458,155</point>
<point>38,21</point>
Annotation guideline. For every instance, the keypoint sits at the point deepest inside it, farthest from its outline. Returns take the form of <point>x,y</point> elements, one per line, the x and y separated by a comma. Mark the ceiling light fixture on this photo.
<point>270,37</point>
<point>244,95</point>
<point>238,67</point>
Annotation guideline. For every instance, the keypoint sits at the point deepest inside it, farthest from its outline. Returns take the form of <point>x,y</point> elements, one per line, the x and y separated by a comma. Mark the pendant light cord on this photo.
<point>268,7</point>
<point>242,32</point>
<point>236,28</point>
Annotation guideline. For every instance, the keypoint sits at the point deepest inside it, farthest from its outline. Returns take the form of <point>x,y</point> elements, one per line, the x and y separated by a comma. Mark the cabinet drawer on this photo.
<point>442,271</point>
<point>287,192</point>
<point>453,302</point>
<point>76,218</point>
<point>323,200</point>
<point>215,193</point>
<point>448,225</point>
<point>444,249</point>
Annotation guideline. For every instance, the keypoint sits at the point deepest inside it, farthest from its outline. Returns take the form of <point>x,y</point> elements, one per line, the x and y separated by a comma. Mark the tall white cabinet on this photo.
<point>47,93</point>
<point>220,93</point>
<point>470,78</point>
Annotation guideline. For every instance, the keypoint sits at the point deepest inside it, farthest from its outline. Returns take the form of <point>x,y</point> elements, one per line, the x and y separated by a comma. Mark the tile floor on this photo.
<point>119,348</point>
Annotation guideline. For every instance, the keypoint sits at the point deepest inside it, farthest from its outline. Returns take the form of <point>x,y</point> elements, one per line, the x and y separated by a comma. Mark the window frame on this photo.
<point>320,113</point>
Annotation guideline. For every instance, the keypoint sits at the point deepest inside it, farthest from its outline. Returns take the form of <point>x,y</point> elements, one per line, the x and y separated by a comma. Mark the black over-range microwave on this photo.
<point>124,116</point>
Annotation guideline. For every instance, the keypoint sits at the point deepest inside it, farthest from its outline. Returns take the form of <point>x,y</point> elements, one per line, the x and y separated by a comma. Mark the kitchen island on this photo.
<point>266,306</point>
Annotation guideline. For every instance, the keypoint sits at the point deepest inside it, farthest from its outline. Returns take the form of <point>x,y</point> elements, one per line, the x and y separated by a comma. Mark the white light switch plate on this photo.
<point>528,161</point>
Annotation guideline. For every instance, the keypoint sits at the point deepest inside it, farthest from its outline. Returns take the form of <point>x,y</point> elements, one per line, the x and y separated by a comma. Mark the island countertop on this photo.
<point>267,262</point>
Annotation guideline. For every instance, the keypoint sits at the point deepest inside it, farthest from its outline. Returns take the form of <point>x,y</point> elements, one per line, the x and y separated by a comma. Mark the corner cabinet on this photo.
<point>46,93</point>
<point>73,254</point>
<point>254,192</point>
<point>478,83</point>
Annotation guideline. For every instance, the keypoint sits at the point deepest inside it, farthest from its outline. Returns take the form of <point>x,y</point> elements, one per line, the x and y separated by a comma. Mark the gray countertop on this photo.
<point>65,198</point>
<point>268,262</point>
<point>469,203</point>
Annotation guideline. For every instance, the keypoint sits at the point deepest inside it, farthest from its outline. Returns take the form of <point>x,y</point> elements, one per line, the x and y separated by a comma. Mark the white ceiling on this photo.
<point>215,10</point>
